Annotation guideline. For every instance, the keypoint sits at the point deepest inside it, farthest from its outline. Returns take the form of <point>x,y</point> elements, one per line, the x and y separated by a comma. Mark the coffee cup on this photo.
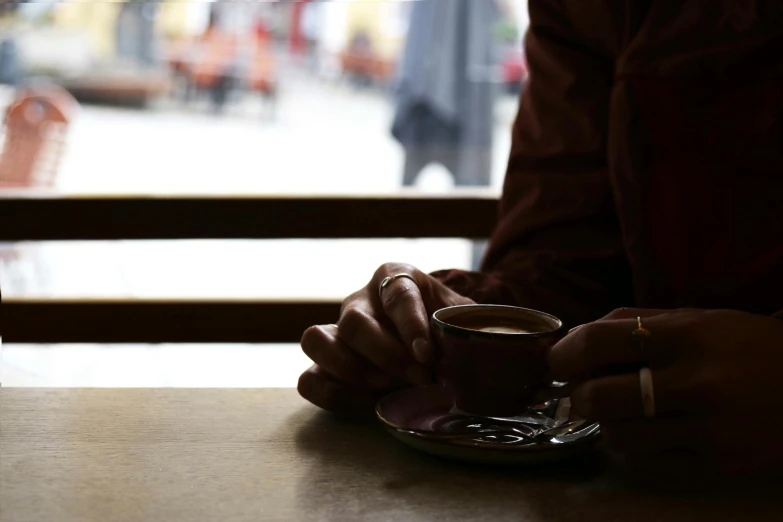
<point>492,358</point>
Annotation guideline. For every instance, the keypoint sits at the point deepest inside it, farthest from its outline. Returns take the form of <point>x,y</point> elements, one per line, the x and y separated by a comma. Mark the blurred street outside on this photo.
<point>324,139</point>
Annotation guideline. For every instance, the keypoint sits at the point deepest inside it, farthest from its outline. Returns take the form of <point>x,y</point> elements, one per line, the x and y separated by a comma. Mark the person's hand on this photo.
<point>716,377</point>
<point>378,343</point>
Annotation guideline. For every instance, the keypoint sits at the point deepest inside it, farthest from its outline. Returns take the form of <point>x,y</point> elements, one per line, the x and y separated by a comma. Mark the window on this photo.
<point>256,99</point>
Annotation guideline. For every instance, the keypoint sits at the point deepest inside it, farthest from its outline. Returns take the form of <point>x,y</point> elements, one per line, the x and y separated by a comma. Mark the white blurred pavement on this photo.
<point>325,138</point>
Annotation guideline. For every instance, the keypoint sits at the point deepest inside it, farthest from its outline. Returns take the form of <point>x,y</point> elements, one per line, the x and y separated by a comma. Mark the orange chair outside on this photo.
<point>262,75</point>
<point>35,127</point>
<point>218,52</point>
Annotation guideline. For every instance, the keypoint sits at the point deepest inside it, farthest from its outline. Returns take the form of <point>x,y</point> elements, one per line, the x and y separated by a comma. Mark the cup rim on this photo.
<point>494,335</point>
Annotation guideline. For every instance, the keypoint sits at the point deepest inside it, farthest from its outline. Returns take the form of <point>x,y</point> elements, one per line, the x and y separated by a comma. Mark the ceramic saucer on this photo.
<point>424,418</point>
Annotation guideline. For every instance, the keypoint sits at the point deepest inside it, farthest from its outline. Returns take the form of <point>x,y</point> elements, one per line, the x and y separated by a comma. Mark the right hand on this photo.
<point>377,344</point>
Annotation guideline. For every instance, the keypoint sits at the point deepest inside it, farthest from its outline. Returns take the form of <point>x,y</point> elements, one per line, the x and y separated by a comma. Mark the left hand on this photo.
<point>716,379</point>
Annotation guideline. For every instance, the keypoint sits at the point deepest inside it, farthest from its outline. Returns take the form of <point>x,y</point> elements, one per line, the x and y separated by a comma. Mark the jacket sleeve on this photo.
<point>557,246</point>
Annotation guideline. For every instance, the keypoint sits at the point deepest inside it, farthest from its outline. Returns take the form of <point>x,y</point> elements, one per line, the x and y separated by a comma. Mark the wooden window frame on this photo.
<point>51,217</point>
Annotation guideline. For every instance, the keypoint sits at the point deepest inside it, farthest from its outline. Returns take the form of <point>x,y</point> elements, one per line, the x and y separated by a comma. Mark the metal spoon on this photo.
<point>577,434</point>
<point>559,432</point>
<point>548,435</point>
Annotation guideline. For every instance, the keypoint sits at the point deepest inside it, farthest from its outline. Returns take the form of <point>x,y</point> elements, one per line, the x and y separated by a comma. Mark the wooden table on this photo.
<point>235,455</point>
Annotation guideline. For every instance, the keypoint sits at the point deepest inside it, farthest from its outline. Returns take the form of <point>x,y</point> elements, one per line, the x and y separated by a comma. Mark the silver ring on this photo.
<point>648,392</point>
<point>389,280</point>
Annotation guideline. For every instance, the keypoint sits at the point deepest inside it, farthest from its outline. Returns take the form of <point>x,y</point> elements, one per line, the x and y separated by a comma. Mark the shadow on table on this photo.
<point>349,456</point>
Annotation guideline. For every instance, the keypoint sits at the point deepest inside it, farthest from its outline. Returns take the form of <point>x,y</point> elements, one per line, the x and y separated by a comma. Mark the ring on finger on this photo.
<point>389,280</point>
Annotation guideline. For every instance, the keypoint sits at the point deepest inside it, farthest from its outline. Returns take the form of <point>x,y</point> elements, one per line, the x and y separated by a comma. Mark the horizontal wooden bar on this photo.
<point>53,321</point>
<point>118,217</point>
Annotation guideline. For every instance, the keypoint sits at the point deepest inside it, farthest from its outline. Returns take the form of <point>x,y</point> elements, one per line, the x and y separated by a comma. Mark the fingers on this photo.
<point>323,390</point>
<point>619,397</point>
<point>380,341</point>
<point>368,338</point>
<point>594,347</point>
<point>609,398</point>
<point>322,345</point>
<point>408,304</point>
<point>403,304</point>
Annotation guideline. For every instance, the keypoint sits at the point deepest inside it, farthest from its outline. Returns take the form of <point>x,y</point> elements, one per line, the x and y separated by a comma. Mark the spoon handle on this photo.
<point>466,435</point>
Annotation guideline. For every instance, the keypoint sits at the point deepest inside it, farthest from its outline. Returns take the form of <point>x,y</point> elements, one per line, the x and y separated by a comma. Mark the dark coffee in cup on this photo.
<point>492,358</point>
<point>498,319</point>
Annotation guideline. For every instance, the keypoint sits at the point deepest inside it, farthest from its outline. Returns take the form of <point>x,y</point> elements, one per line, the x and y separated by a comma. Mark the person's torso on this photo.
<point>696,154</point>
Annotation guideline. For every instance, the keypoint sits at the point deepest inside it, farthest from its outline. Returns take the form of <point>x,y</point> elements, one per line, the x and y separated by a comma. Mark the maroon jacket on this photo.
<point>647,161</point>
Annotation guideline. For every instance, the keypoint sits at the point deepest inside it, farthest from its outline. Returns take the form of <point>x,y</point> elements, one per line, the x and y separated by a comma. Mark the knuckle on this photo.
<point>352,321</point>
<point>383,271</point>
<point>388,269</point>
<point>418,274</point>
<point>689,317</point>
<point>355,297</point>
<point>312,340</point>
<point>623,312</point>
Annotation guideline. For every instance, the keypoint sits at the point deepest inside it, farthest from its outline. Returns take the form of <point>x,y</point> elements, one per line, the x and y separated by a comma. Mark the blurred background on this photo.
<point>276,97</point>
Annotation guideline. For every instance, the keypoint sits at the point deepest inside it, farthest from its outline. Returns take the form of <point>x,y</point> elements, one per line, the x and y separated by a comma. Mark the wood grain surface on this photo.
<point>257,455</point>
